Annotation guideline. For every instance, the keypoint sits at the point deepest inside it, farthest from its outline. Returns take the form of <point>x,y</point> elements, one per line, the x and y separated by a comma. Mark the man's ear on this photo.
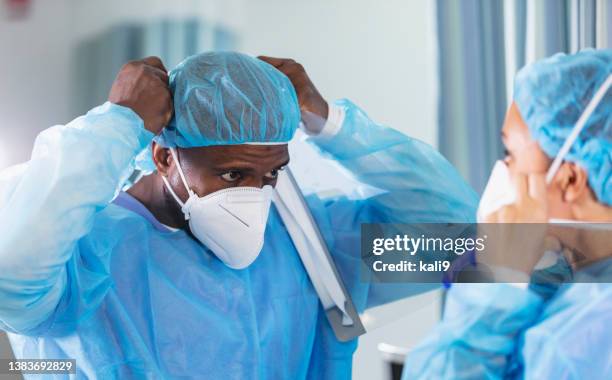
<point>162,159</point>
<point>573,181</point>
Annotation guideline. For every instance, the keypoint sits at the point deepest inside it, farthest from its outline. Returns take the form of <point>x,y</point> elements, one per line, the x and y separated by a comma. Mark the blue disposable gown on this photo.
<point>499,331</point>
<point>90,275</point>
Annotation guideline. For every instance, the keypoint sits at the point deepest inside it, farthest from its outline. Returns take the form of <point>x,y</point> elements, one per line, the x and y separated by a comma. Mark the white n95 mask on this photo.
<point>231,222</point>
<point>500,191</point>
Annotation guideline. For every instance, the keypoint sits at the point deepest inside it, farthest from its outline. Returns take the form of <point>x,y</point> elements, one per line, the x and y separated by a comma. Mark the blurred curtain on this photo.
<point>482,44</point>
<point>98,58</point>
<point>472,94</point>
<point>603,30</point>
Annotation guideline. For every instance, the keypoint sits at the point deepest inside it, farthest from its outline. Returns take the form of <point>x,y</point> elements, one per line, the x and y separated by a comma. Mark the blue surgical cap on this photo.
<point>227,98</point>
<point>551,94</point>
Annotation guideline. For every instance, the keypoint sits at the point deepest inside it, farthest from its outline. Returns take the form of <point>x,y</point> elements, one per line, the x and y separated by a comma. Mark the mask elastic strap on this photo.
<point>180,170</point>
<point>176,198</point>
<point>182,175</point>
<point>578,128</point>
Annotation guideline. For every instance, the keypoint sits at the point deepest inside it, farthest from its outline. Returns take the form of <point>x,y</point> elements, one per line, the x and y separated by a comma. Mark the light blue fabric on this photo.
<point>226,98</point>
<point>498,331</point>
<point>551,94</point>
<point>84,278</point>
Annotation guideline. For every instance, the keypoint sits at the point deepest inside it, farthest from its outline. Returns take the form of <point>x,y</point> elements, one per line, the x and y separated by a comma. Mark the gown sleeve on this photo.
<point>74,172</point>
<point>478,336</point>
<point>415,184</point>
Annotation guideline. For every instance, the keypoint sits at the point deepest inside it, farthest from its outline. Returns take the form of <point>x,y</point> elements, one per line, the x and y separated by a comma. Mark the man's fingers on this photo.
<point>162,75</point>
<point>155,62</point>
<point>276,62</point>
<point>286,65</point>
<point>292,68</point>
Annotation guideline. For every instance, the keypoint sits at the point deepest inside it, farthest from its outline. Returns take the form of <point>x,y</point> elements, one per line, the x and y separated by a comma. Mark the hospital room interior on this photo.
<point>439,71</point>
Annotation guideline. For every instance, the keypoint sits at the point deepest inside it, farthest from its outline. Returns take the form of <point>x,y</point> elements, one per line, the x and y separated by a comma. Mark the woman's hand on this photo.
<point>530,204</point>
<point>516,232</point>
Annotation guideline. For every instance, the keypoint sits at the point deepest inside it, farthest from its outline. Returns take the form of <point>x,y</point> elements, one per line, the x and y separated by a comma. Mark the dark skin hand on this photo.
<point>143,86</point>
<point>213,168</point>
<point>309,98</point>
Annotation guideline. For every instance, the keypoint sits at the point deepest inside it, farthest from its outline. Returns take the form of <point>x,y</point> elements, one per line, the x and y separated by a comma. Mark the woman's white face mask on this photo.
<point>230,222</point>
<point>499,191</point>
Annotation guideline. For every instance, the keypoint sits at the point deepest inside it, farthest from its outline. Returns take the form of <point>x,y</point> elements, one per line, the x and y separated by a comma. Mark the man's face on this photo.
<point>213,168</point>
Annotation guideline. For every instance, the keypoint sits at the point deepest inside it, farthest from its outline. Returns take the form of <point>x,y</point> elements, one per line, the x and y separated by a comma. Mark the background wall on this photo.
<point>34,76</point>
<point>379,54</point>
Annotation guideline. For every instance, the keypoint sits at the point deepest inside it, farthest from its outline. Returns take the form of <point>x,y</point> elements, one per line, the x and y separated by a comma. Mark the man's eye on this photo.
<point>273,174</point>
<point>231,176</point>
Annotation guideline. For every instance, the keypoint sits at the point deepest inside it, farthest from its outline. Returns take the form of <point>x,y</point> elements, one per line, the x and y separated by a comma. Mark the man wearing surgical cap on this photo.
<point>191,272</point>
<point>554,323</point>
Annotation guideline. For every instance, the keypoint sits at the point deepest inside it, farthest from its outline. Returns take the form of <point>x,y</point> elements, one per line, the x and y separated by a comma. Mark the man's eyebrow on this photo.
<point>234,166</point>
<point>242,166</point>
